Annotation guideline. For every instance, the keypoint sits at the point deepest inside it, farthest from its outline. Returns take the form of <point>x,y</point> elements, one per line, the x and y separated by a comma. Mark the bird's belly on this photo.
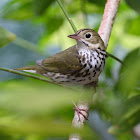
<point>82,77</point>
<point>72,80</point>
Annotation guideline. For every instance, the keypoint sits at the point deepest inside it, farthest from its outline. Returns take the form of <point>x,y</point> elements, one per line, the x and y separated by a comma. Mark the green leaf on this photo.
<point>6,37</point>
<point>23,8</point>
<point>132,107</point>
<point>135,4</point>
<point>53,22</point>
<point>87,7</point>
<point>40,6</point>
<point>108,67</point>
<point>129,117</point>
<point>132,26</point>
<point>132,57</point>
<point>100,3</point>
<point>35,107</point>
<point>5,136</point>
<point>109,105</point>
<point>34,98</point>
<point>42,127</point>
<point>129,76</point>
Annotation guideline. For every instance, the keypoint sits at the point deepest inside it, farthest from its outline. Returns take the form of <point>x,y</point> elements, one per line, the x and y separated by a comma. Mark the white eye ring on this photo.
<point>88,35</point>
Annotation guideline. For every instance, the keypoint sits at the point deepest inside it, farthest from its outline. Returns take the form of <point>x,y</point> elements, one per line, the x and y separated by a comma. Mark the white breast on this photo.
<point>94,62</point>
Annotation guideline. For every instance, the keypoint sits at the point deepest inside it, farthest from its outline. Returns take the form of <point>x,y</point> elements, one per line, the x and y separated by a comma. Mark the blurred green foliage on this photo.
<point>33,110</point>
<point>6,37</point>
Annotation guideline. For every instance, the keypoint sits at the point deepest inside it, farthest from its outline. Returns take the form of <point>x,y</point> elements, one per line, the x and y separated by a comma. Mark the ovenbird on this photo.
<point>80,64</point>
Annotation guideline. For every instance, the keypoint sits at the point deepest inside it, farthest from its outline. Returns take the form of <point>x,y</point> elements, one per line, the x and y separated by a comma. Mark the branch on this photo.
<point>67,15</point>
<point>115,58</point>
<point>27,75</point>
<point>136,131</point>
<point>79,123</point>
<point>109,15</point>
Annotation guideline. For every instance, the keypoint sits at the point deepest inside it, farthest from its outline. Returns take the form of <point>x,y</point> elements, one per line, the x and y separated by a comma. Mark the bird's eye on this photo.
<point>88,35</point>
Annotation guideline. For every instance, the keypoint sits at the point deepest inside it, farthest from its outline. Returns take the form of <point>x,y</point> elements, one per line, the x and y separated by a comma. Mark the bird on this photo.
<point>80,64</point>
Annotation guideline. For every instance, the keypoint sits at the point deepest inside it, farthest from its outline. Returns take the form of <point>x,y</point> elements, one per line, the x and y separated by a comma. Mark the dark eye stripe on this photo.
<point>81,30</point>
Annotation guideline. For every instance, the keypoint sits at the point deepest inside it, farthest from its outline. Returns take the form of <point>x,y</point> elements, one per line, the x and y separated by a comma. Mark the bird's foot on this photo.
<point>80,111</point>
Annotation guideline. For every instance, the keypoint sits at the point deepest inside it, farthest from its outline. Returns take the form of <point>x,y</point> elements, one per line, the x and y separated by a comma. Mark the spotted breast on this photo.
<point>92,61</point>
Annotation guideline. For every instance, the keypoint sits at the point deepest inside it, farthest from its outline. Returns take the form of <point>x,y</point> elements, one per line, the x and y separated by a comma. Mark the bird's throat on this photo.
<point>82,45</point>
<point>87,45</point>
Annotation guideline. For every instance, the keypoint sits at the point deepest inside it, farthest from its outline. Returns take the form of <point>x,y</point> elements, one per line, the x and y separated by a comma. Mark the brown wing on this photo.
<point>65,62</point>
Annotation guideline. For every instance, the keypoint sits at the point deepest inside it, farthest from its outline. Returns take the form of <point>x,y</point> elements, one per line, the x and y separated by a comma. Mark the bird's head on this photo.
<point>88,38</point>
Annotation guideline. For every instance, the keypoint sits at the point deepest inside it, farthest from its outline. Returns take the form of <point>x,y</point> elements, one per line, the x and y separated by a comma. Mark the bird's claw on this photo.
<point>79,111</point>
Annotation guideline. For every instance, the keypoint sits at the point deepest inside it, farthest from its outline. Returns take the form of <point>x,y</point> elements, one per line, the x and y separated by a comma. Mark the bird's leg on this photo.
<point>94,85</point>
<point>79,111</point>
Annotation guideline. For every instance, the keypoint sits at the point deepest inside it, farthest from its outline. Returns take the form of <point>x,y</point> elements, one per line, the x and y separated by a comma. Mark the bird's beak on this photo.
<point>74,36</point>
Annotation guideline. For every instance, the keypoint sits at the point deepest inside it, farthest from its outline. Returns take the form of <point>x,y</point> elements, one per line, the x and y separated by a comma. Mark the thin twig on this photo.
<point>67,15</point>
<point>27,75</point>
<point>115,58</point>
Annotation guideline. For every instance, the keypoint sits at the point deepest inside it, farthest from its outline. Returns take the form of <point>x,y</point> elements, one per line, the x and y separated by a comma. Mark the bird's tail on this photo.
<point>32,69</point>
